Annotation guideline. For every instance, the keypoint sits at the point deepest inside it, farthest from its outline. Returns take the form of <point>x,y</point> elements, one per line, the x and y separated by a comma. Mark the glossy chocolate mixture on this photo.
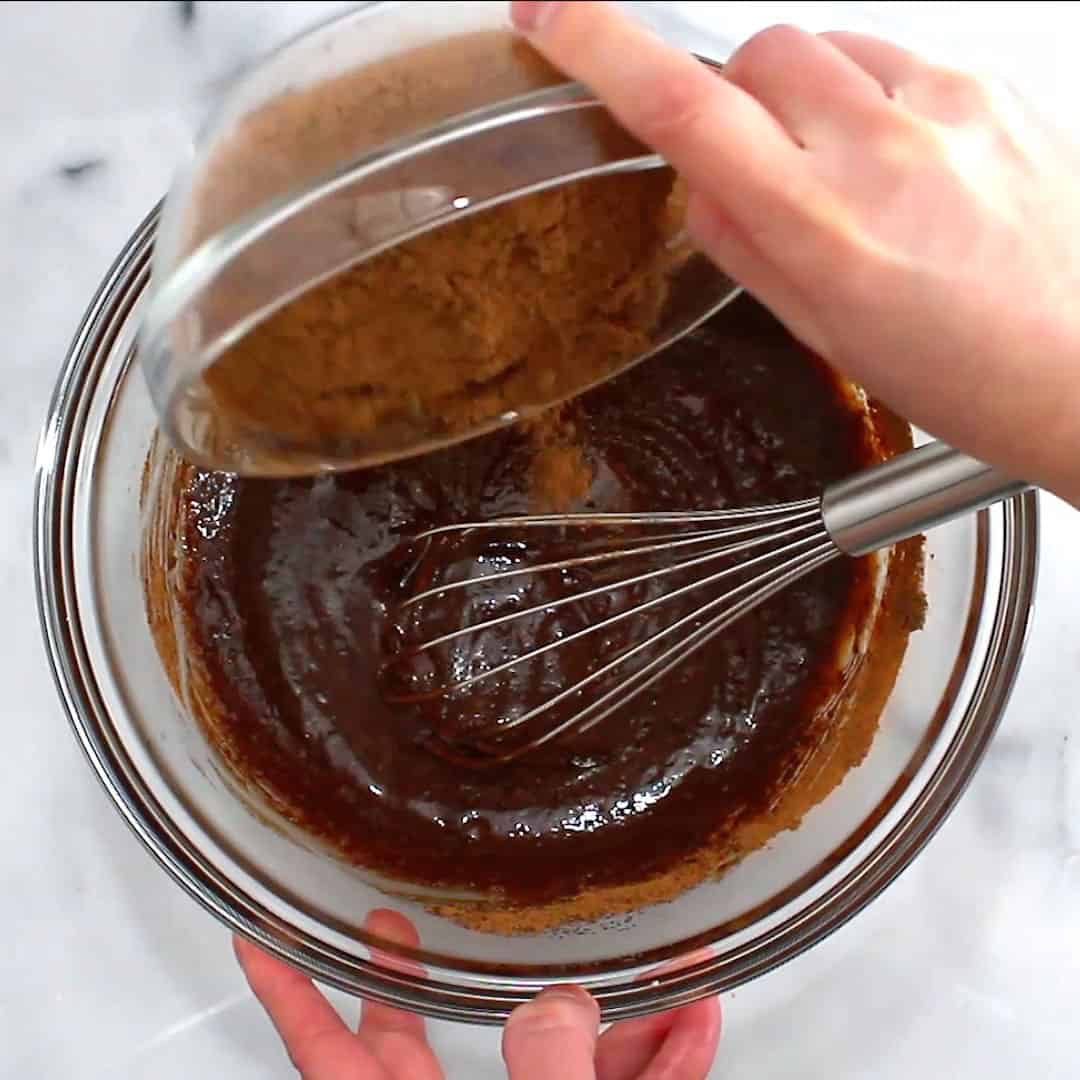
<point>293,589</point>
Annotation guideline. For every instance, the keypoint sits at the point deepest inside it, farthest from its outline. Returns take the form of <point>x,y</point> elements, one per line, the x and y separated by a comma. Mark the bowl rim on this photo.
<point>490,1000</point>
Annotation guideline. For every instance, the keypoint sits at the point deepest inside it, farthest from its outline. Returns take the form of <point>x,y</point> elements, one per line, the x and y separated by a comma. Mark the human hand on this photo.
<point>388,1044</point>
<point>917,227</point>
<point>555,1034</point>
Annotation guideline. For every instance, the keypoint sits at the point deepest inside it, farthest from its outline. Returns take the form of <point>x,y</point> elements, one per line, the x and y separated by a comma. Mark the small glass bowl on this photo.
<point>281,195</point>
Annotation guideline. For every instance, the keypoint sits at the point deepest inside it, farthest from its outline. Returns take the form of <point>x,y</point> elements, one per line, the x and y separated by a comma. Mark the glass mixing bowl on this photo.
<point>309,908</point>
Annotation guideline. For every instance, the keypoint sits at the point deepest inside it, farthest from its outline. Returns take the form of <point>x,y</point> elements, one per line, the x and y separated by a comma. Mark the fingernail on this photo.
<point>530,16</point>
<point>557,1007</point>
<point>568,993</point>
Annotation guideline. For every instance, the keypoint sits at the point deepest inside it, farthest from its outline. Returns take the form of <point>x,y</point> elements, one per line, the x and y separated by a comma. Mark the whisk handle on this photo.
<point>909,494</point>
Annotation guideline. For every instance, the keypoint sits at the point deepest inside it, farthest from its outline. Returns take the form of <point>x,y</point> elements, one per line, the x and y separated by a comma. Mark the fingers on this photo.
<point>933,92</point>
<point>628,1051</point>
<point>316,1038</point>
<point>398,1039</point>
<point>889,64</point>
<point>626,1048</point>
<point>679,1043</point>
<point>718,136</point>
<point>715,233</point>
<point>813,88</point>
<point>689,1048</point>
<point>375,1019</point>
<point>552,1035</point>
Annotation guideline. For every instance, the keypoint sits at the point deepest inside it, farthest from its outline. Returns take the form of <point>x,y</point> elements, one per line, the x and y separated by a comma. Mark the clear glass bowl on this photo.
<point>308,907</point>
<point>281,195</point>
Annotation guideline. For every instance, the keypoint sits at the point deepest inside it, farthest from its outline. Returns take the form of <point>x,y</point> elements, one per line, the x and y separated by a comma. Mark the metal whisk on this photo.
<point>660,564</point>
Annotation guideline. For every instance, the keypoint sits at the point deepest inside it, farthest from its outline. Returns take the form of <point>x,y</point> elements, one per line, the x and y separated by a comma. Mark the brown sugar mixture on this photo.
<point>511,308</point>
<point>288,588</point>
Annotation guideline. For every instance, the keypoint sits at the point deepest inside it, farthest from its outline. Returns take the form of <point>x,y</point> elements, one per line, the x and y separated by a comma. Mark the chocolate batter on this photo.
<point>291,590</point>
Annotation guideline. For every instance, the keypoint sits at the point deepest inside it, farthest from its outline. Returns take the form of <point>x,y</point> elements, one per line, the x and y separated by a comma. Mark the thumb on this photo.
<point>553,1035</point>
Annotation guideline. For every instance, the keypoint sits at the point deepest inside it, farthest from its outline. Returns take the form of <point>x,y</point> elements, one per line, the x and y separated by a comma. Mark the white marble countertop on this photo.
<point>969,966</point>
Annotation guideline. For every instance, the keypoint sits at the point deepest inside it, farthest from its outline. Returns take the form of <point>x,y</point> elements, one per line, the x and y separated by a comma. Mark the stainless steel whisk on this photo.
<point>749,554</point>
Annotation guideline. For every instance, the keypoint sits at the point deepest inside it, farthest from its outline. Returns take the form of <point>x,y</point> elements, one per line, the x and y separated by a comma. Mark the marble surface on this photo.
<point>969,966</point>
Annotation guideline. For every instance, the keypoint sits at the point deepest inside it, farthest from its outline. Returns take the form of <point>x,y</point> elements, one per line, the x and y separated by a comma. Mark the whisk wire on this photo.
<point>675,653</point>
<point>798,556</point>
<point>658,667</point>
<point>600,520</point>
<point>648,545</point>
<point>792,550</point>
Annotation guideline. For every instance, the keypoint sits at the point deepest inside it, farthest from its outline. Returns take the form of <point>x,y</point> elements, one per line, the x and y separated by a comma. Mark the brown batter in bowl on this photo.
<point>272,600</point>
